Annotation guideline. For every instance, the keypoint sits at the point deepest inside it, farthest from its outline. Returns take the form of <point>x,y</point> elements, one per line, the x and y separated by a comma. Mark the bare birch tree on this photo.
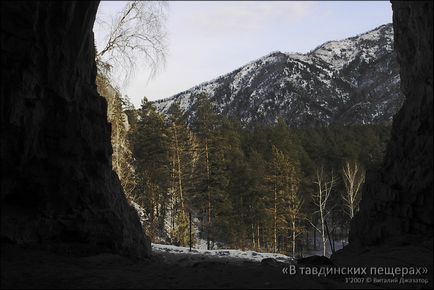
<point>325,185</point>
<point>136,35</point>
<point>354,177</point>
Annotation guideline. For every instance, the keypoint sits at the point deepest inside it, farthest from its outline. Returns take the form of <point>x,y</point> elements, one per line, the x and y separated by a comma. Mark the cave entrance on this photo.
<point>243,171</point>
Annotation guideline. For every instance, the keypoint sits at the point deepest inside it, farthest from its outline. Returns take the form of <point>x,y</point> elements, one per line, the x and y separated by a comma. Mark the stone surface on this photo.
<point>315,261</point>
<point>57,185</point>
<point>397,201</point>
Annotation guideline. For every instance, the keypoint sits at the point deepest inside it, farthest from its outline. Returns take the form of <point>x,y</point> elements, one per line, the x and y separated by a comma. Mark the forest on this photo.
<point>263,188</point>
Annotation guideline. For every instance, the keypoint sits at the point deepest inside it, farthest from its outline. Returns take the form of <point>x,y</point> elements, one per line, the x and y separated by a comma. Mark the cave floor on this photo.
<point>30,268</point>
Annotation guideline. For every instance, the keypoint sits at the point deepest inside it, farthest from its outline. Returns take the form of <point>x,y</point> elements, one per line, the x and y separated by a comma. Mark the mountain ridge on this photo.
<point>349,81</point>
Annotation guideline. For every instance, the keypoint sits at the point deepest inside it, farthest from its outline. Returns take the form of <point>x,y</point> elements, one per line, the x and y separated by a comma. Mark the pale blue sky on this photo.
<point>210,38</point>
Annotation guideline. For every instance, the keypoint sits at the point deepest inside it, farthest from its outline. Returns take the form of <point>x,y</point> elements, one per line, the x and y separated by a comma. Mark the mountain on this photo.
<point>348,82</point>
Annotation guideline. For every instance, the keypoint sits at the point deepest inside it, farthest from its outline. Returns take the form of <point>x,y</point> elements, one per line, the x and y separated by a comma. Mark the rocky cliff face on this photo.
<point>57,184</point>
<point>397,201</point>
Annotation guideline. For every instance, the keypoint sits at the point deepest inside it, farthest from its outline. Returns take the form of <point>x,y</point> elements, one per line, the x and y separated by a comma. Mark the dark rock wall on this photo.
<point>57,185</point>
<point>397,201</point>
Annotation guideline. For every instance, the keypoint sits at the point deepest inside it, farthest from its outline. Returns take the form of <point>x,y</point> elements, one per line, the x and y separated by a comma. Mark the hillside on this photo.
<point>348,82</point>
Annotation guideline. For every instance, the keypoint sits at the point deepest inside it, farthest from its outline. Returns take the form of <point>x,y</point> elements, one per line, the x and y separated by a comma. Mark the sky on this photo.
<point>207,39</point>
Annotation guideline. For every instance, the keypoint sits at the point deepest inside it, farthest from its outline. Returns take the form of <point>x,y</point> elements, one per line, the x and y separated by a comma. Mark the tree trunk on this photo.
<point>314,239</point>
<point>179,171</point>
<point>253,236</point>
<point>209,193</point>
<point>275,219</point>
<point>258,244</point>
<point>323,231</point>
<point>329,238</point>
<point>293,238</point>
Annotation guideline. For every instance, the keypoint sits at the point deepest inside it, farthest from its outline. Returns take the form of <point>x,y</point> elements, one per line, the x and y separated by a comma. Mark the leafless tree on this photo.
<point>353,176</point>
<point>136,35</point>
<point>320,199</point>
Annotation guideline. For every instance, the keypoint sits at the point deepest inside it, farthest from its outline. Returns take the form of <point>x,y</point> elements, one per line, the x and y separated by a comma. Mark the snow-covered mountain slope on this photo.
<point>351,81</point>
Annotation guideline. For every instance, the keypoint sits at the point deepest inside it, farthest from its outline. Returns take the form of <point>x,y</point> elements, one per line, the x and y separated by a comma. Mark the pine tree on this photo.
<point>122,157</point>
<point>284,201</point>
<point>149,142</point>
<point>246,186</point>
<point>180,154</point>
<point>211,177</point>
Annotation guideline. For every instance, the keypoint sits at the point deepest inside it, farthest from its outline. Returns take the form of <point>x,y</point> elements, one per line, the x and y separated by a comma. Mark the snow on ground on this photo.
<point>223,253</point>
